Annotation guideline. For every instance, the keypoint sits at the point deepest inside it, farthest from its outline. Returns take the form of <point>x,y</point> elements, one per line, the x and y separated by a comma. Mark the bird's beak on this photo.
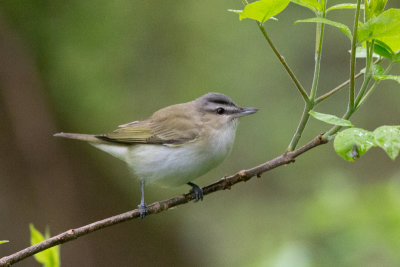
<point>246,111</point>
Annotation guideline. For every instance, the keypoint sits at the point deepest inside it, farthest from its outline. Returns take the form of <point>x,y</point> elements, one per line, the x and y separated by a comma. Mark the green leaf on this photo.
<point>331,119</point>
<point>263,10</point>
<point>341,26</point>
<point>49,257</point>
<point>388,138</point>
<point>383,49</point>
<point>314,5</point>
<point>344,6</point>
<point>374,8</point>
<point>352,143</point>
<point>393,42</point>
<point>387,77</point>
<point>3,241</point>
<point>380,49</point>
<point>385,27</point>
<point>239,11</point>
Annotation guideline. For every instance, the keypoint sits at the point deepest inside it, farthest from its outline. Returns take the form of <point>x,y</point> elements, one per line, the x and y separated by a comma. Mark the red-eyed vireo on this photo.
<point>176,144</point>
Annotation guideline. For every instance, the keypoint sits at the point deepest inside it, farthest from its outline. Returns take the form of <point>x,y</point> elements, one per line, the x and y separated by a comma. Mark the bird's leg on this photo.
<point>142,206</point>
<point>198,192</point>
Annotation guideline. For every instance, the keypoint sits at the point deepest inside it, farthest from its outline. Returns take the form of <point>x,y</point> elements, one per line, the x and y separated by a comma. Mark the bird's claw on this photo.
<point>143,210</point>
<point>198,192</point>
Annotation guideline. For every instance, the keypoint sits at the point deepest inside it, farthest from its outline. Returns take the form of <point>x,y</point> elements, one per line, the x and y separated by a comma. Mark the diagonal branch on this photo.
<point>299,87</point>
<point>336,89</point>
<point>157,207</point>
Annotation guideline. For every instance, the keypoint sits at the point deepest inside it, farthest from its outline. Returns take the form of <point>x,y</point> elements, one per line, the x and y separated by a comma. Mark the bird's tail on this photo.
<point>83,137</point>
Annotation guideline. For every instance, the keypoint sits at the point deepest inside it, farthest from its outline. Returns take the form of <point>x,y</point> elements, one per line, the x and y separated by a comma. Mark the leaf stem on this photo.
<point>353,57</point>
<point>285,65</point>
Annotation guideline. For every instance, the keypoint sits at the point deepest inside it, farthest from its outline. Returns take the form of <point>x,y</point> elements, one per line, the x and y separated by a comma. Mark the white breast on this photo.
<point>174,166</point>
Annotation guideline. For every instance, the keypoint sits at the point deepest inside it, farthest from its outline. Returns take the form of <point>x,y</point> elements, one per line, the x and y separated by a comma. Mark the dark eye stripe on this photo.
<point>222,102</point>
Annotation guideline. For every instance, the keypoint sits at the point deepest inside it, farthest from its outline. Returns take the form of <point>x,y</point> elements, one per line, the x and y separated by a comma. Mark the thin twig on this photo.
<point>284,64</point>
<point>336,89</point>
<point>160,206</point>
<point>282,60</point>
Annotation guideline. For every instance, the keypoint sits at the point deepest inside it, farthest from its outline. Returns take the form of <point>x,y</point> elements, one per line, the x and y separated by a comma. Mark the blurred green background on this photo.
<point>88,66</point>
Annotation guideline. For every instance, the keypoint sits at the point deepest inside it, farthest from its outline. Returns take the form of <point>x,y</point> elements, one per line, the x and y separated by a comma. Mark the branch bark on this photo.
<point>160,206</point>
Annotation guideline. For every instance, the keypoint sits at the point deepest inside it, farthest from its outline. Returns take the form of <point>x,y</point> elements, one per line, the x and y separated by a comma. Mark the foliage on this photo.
<point>378,35</point>
<point>388,138</point>
<point>3,241</point>
<point>354,142</point>
<point>263,10</point>
<point>49,257</point>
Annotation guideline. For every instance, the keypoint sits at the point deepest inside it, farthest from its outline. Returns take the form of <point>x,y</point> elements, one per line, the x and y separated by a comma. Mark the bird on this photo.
<point>176,144</point>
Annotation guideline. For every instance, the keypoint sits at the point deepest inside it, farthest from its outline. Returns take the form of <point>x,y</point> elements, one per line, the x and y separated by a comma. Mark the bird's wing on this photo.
<point>135,132</point>
<point>168,126</point>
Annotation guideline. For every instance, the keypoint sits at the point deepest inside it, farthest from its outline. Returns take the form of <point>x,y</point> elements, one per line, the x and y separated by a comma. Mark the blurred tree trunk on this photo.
<point>36,177</point>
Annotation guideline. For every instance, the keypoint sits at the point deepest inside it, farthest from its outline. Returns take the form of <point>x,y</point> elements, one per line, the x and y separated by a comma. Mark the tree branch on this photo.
<point>157,207</point>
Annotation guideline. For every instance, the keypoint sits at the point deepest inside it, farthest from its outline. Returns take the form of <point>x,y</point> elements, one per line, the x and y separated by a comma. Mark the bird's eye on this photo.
<point>220,111</point>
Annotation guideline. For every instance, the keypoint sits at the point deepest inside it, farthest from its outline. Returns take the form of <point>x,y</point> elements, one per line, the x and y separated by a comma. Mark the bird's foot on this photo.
<point>198,192</point>
<point>143,210</point>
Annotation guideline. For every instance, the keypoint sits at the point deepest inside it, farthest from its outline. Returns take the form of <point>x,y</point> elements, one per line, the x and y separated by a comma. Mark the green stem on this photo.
<point>368,72</point>
<point>353,57</point>
<point>318,53</point>
<point>310,104</point>
<point>350,112</point>
<point>285,65</point>
<point>300,128</point>
<point>364,87</point>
